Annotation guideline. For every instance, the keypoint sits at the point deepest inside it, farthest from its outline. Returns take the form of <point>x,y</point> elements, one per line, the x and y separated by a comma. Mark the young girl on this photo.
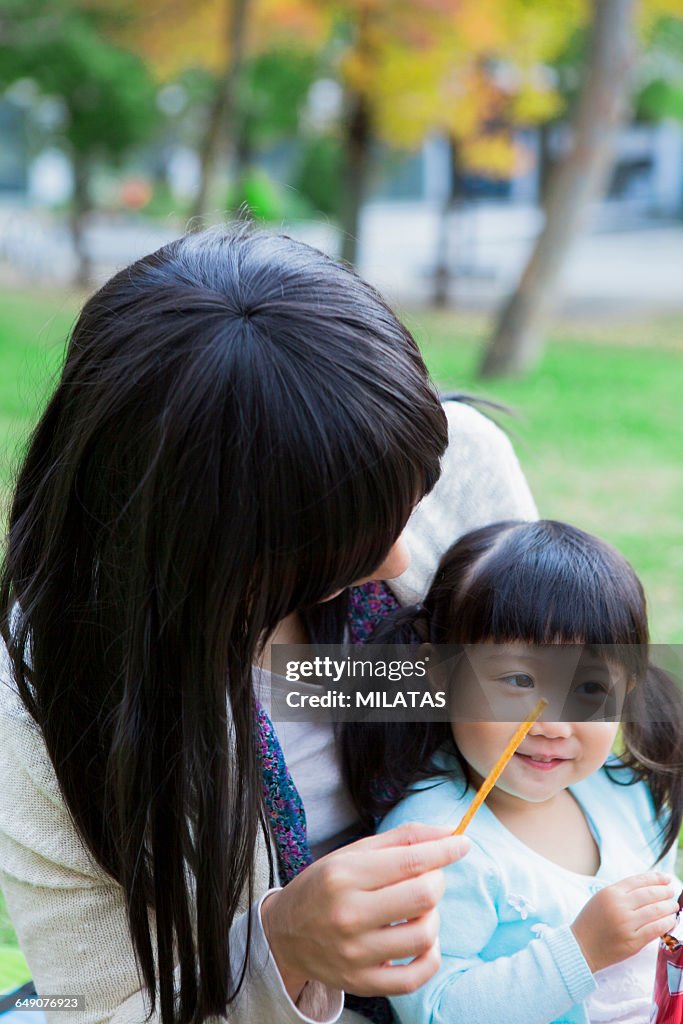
<point>555,913</point>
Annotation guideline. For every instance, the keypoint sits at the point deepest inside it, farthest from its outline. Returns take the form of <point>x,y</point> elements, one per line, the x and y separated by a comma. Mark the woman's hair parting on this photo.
<point>241,427</point>
<point>541,582</point>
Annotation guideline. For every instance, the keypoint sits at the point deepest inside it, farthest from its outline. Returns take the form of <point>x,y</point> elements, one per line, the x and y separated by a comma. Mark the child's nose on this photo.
<point>551,730</point>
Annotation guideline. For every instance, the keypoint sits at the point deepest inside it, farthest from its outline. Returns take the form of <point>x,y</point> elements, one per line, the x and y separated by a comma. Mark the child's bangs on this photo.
<point>547,583</point>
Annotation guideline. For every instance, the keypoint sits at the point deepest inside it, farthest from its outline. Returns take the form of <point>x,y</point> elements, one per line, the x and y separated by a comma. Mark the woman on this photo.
<point>240,432</point>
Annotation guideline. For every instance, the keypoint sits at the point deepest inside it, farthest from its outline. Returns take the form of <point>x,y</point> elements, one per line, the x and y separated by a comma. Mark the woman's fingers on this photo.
<point>377,868</point>
<point>400,979</point>
<point>411,939</point>
<point>404,835</point>
<point>352,897</point>
<point>396,942</point>
<point>403,901</point>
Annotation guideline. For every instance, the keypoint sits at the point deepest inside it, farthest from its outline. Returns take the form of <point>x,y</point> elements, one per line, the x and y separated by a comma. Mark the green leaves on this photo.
<point>107,92</point>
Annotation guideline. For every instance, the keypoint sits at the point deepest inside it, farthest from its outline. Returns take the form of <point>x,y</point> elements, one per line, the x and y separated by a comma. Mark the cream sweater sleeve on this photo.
<point>481,482</point>
<point>69,914</point>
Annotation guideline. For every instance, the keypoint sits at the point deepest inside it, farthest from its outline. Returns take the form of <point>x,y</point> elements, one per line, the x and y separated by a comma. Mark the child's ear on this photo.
<point>424,652</point>
<point>631,685</point>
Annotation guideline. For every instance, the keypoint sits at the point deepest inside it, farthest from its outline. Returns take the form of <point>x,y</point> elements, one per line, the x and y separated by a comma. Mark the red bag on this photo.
<point>667,999</point>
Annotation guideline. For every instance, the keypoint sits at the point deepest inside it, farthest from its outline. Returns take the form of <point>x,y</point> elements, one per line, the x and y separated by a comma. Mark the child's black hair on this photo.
<point>540,582</point>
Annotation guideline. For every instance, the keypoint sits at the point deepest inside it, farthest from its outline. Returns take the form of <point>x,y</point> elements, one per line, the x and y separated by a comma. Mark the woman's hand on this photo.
<point>621,919</point>
<point>333,922</point>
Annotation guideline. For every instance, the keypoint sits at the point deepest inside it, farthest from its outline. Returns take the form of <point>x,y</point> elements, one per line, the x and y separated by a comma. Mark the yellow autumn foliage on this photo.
<point>496,156</point>
<point>534,105</point>
<point>457,66</point>
<point>174,35</point>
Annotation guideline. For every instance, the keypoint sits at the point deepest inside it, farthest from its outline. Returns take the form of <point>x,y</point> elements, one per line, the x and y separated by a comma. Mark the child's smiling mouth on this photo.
<point>541,762</point>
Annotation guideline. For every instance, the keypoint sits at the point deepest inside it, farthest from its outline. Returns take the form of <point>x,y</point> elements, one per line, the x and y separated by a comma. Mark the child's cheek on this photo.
<point>597,740</point>
<point>480,743</point>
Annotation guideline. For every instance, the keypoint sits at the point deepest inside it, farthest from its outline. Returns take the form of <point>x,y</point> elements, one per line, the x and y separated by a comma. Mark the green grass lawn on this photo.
<point>599,432</point>
<point>33,331</point>
<point>599,427</point>
<point>13,969</point>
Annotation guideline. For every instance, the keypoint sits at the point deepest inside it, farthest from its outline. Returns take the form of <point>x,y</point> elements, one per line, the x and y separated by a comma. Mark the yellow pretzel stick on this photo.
<point>499,767</point>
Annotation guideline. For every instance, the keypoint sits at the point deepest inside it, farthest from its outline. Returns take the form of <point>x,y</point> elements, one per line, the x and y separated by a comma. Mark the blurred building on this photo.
<point>647,177</point>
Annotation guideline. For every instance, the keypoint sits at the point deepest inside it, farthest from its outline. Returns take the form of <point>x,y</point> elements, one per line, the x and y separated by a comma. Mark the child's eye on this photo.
<point>593,689</point>
<point>518,680</point>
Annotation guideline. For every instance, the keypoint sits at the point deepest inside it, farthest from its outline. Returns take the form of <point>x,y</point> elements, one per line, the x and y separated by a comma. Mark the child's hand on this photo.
<point>621,919</point>
<point>332,922</point>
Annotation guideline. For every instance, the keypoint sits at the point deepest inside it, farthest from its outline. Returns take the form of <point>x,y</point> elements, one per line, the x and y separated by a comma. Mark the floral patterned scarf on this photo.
<point>369,604</point>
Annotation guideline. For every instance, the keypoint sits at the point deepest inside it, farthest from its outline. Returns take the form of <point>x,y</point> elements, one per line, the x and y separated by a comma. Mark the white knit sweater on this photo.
<point>69,915</point>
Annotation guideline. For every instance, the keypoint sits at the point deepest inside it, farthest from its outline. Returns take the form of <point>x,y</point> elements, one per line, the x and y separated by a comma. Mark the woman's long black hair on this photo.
<point>539,582</point>
<point>241,427</point>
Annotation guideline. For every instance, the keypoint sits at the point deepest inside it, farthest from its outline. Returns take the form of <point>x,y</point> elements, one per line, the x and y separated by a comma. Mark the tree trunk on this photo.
<point>546,160</point>
<point>80,208</point>
<point>358,138</point>
<point>578,179</point>
<point>243,158</point>
<point>442,268</point>
<point>222,111</point>
<point>357,142</point>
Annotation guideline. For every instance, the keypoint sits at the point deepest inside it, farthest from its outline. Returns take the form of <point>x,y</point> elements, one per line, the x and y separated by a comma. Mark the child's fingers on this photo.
<point>649,895</point>
<point>644,880</point>
<point>655,929</point>
<point>645,916</point>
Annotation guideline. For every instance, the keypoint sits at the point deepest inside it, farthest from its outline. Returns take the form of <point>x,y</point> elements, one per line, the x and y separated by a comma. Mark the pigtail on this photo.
<point>653,740</point>
<point>381,760</point>
<point>407,626</point>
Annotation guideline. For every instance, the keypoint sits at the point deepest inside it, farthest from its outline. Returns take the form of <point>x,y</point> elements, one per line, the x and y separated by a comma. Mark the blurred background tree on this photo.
<point>323,90</point>
<point>257,56</point>
<point>469,71</point>
<point>661,92</point>
<point>603,105</point>
<point>575,182</point>
<point>101,95</point>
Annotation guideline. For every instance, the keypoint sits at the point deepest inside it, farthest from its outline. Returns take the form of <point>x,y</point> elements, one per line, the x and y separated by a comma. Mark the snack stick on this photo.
<point>499,767</point>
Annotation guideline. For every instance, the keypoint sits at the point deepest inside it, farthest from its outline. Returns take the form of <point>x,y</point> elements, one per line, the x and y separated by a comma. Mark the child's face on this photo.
<point>554,754</point>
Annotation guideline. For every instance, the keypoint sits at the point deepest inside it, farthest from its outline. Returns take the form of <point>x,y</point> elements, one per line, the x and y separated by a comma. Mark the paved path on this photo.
<point>626,263</point>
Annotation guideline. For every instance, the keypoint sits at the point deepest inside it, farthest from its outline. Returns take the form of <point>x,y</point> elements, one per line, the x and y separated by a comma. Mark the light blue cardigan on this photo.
<point>508,953</point>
